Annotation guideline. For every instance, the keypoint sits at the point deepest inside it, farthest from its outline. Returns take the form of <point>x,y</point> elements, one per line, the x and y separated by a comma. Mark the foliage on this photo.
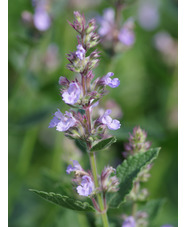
<point>148,97</point>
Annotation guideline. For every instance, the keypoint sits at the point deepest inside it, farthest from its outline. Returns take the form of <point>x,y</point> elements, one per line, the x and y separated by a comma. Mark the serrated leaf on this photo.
<point>127,173</point>
<point>103,144</point>
<point>65,201</point>
<point>81,145</point>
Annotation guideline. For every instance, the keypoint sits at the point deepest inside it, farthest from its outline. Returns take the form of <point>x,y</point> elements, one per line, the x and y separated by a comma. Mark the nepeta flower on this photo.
<point>76,166</point>
<point>106,22</point>
<point>62,122</point>
<point>41,18</point>
<point>110,33</point>
<point>111,82</point>
<point>126,36</point>
<point>109,122</point>
<point>129,222</point>
<point>148,15</point>
<point>80,53</point>
<point>63,81</point>
<point>137,142</point>
<point>86,187</point>
<point>109,182</point>
<point>72,94</point>
<point>106,80</point>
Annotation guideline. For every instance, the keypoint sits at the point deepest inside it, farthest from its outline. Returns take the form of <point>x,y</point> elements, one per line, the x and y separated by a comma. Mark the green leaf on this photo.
<point>127,173</point>
<point>65,201</point>
<point>81,145</point>
<point>152,208</point>
<point>103,144</point>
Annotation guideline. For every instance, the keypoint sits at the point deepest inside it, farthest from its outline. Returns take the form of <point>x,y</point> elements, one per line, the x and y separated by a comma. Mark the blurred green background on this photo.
<point>147,96</point>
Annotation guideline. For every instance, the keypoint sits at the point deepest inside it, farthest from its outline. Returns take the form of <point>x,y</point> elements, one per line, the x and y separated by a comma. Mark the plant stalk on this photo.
<point>99,196</point>
<point>92,157</point>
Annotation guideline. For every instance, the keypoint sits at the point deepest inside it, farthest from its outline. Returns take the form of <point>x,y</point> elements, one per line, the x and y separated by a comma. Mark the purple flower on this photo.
<point>72,94</point>
<point>41,20</point>
<point>62,122</point>
<point>109,183</point>
<point>109,122</point>
<point>129,222</point>
<point>148,15</point>
<point>106,22</point>
<point>80,53</point>
<point>126,36</point>
<point>63,81</point>
<point>76,166</point>
<point>106,80</point>
<point>86,187</point>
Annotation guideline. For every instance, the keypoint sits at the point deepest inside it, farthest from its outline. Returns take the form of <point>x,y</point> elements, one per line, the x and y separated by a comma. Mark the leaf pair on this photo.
<point>126,173</point>
<point>101,145</point>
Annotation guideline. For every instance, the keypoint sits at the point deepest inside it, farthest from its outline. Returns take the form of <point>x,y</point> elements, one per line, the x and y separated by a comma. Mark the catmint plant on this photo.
<point>97,191</point>
<point>82,95</point>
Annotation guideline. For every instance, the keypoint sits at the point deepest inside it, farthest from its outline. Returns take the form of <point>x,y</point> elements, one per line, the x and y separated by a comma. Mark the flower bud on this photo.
<point>91,26</point>
<point>109,183</point>
<point>137,142</point>
<point>79,22</point>
<point>63,81</point>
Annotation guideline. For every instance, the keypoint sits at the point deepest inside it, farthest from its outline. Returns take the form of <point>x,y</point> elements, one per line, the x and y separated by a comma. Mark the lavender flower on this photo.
<point>63,81</point>
<point>109,122</point>
<point>74,168</point>
<point>80,53</point>
<point>106,80</point>
<point>112,34</point>
<point>126,35</point>
<point>137,142</point>
<point>109,183</point>
<point>72,94</point>
<point>106,22</point>
<point>86,187</point>
<point>148,15</point>
<point>62,122</point>
<point>111,82</point>
<point>129,222</point>
<point>41,18</point>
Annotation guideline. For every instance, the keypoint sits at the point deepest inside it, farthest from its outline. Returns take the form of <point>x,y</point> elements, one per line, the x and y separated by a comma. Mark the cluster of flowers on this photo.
<point>85,181</point>
<point>137,142</point>
<point>110,32</point>
<point>82,95</point>
<point>41,18</point>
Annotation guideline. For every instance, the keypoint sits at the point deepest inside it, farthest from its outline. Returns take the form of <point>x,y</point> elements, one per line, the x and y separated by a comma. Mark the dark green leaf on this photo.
<point>127,173</point>
<point>81,145</point>
<point>103,144</point>
<point>65,201</point>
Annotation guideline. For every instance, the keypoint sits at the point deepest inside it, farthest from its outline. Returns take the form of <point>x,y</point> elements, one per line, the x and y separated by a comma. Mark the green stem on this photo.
<point>99,197</point>
<point>134,209</point>
<point>92,156</point>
